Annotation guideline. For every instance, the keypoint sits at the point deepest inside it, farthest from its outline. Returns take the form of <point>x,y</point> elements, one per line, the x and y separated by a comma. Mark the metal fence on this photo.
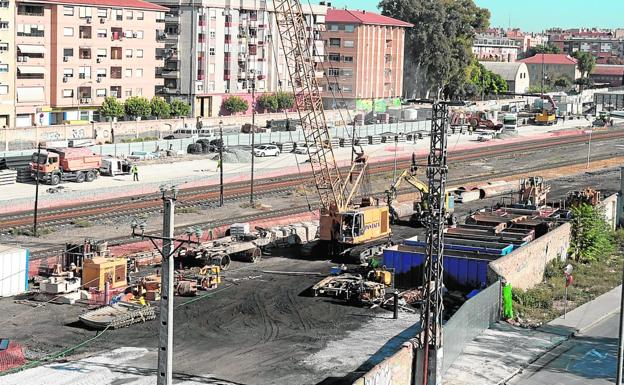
<point>475,316</point>
<point>241,139</point>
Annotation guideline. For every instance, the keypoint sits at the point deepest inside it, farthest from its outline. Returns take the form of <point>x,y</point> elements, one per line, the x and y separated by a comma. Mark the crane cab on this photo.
<point>356,226</point>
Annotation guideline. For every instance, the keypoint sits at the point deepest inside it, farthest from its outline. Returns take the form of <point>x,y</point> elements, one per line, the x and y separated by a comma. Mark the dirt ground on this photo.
<point>262,328</point>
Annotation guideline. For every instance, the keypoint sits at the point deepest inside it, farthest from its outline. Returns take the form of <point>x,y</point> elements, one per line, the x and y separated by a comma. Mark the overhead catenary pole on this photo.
<point>618,376</point>
<point>36,191</point>
<point>221,164</point>
<point>165,335</point>
<point>253,135</point>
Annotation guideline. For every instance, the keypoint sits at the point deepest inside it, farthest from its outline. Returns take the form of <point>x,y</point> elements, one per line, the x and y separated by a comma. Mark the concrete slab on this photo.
<point>499,353</point>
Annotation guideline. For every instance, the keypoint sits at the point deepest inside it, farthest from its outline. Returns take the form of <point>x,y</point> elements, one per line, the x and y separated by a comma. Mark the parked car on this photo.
<point>143,155</point>
<point>266,150</point>
<point>304,149</point>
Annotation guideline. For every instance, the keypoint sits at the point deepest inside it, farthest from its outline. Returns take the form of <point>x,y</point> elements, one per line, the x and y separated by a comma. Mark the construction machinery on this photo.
<point>548,114</point>
<point>62,164</point>
<point>354,230</point>
<point>416,207</point>
<point>483,120</point>
<point>588,196</point>
<point>533,191</point>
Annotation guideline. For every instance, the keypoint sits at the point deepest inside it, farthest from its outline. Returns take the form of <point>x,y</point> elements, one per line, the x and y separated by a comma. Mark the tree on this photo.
<point>481,81</point>
<point>111,108</point>
<point>592,237</point>
<point>235,104</point>
<point>563,82</point>
<point>548,48</point>
<point>586,62</point>
<point>180,108</point>
<point>438,49</point>
<point>268,102</point>
<point>285,100</point>
<point>160,108</point>
<point>137,106</point>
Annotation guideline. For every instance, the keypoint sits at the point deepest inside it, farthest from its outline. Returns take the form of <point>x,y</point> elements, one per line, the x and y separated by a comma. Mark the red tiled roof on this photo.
<point>135,4</point>
<point>609,70</point>
<point>362,17</point>
<point>550,58</point>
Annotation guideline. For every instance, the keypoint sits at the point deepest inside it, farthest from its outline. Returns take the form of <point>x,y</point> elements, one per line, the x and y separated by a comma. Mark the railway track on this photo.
<point>208,196</point>
<point>305,208</point>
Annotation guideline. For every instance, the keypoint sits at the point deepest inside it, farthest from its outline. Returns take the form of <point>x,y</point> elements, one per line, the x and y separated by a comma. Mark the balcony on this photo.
<point>172,17</point>
<point>201,75</point>
<point>84,32</point>
<point>170,73</point>
<point>116,34</point>
<point>202,21</point>
<point>30,10</point>
<point>227,74</point>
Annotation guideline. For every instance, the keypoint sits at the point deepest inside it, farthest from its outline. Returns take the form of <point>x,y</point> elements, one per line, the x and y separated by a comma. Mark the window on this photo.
<point>115,72</point>
<point>4,68</point>
<point>68,11</point>
<point>346,72</point>
<point>349,28</point>
<point>30,10</point>
<point>348,59</point>
<point>348,43</point>
<point>333,72</point>
<point>129,15</point>
<point>84,72</point>
<point>213,34</point>
<point>68,31</point>
<point>138,73</point>
<point>118,14</point>
<point>68,93</point>
<point>128,93</point>
<point>68,52</point>
<point>139,92</point>
<point>4,3</point>
<point>160,17</point>
<point>100,92</point>
<point>333,42</point>
<point>101,12</point>
<point>100,72</point>
<point>212,51</point>
<point>115,91</point>
<point>34,30</point>
<point>139,15</point>
<point>4,25</point>
<point>68,72</point>
<point>139,53</point>
<point>334,57</point>
<point>102,33</point>
<point>347,88</point>
<point>129,53</point>
<point>4,47</point>
<point>84,12</point>
<point>4,90</point>
<point>333,27</point>
<point>213,14</point>
<point>127,33</point>
<point>128,73</point>
<point>138,34</point>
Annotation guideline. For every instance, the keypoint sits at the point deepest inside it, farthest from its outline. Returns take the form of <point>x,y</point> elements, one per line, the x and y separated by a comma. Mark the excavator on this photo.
<point>356,231</point>
<point>547,115</point>
<point>417,209</point>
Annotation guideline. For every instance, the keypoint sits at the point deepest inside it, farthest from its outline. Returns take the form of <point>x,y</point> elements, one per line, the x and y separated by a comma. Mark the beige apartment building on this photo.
<point>364,57</point>
<point>71,54</point>
<point>7,66</point>
<point>219,48</point>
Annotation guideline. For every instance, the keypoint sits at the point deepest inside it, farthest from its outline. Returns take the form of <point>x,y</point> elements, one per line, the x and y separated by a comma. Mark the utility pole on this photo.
<point>168,250</point>
<point>37,190</point>
<point>253,134</point>
<point>221,164</point>
<point>589,146</point>
<point>542,88</point>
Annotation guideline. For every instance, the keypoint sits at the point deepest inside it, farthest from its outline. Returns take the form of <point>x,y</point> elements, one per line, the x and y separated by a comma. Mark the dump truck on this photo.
<point>56,165</point>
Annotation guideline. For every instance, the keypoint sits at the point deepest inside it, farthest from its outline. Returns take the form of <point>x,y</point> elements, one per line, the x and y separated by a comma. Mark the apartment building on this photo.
<point>7,67</point>
<point>218,48</point>
<point>71,54</point>
<point>496,48</point>
<point>365,55</point>
<point>551,66</point>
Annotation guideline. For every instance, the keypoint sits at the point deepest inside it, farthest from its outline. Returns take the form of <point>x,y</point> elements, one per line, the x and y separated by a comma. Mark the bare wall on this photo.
<point>395,370</point>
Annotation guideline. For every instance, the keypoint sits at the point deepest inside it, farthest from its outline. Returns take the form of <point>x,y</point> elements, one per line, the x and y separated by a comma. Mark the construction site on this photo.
<point>344,263</point>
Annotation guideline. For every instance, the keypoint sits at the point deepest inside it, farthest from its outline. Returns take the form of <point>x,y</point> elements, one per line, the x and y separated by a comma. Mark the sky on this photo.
<point>522,13</point>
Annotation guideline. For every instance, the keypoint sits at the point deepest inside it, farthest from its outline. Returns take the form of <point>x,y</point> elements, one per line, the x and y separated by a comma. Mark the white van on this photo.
<point>115,166</point>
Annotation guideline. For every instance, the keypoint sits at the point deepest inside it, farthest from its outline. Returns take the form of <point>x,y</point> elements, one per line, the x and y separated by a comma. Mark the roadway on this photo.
<point>588,359</point>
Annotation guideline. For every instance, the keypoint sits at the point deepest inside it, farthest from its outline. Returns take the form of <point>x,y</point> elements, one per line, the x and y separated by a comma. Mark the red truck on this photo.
<point>65,164</point>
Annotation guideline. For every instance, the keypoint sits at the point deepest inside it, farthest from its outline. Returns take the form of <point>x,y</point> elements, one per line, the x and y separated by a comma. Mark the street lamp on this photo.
<point>165,337</point>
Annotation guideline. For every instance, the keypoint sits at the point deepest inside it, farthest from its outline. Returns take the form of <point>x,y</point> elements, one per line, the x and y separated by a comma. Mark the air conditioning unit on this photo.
<point>88,20</point>
<point>99,80</point>
<point>24,58</point>
<point>99,60</point>
<point>134,34</point>
<point>102,20</point>
<point>65,79</point>
<point>65,58</point>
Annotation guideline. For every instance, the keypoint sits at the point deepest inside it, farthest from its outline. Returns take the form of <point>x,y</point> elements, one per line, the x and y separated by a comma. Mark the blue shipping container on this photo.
<point>458,271</point>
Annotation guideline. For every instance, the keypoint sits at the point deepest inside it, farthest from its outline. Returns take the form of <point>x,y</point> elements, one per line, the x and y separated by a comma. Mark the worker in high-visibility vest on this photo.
<point>134,170</point>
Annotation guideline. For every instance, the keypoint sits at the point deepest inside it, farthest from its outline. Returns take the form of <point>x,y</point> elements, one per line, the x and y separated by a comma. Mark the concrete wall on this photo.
<point>524,267</point>
<point>395,370</point>
<point>610,205</point>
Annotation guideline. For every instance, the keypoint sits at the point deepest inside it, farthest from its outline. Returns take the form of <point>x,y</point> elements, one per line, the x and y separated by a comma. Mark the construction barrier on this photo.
<point>11,357</point>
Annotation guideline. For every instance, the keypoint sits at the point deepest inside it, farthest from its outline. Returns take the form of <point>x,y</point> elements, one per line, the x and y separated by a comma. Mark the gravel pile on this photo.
<point>234,156</point>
